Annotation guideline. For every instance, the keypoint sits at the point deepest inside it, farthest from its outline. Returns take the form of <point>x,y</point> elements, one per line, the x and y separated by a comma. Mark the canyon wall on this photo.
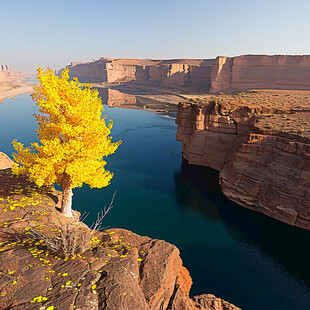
<point>166,73</point>
<point>260,143</point>
<point>88,71</point>
<point>223,74</point>
<point>260,72</point>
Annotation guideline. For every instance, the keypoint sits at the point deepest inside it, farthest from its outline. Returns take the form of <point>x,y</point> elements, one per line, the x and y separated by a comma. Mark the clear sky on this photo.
<point>55,32</point>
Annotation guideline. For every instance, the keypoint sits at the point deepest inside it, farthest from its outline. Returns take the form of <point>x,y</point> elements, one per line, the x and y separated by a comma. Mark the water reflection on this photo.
<point>114,98</point>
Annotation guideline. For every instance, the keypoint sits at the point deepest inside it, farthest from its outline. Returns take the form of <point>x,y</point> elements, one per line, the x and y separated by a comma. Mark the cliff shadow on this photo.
<point>197,189</point>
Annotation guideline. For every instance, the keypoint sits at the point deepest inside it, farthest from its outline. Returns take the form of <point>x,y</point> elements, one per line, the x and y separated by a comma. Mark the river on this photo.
<point>241,256</point>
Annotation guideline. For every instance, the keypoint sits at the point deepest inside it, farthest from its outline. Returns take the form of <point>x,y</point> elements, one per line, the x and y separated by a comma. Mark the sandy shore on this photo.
<point>13,88</point>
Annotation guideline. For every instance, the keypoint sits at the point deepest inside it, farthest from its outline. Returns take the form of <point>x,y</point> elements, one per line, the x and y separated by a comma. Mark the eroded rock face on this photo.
<point>166,73</point>
<point>122,271</point>
<point>223,74</point>
<point>260,143</point>
<point>260,72</point>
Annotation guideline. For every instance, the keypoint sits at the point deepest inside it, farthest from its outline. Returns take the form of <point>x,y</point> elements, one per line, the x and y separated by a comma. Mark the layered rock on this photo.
<point>165,73</point>
<point>260,72</point>
<point>121,271</point>
<point>260,143</point>
<point>223,74</point>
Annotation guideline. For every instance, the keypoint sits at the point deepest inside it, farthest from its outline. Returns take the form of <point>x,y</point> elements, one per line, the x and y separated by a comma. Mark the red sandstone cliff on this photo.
<point>260,143</point>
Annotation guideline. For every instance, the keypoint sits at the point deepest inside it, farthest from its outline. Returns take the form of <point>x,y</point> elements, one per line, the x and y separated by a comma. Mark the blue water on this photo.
<point>244,257</point>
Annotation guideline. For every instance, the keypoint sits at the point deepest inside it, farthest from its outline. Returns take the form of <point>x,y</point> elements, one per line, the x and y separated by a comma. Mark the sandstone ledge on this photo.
<point>123,271</point>
<point>260,143</point>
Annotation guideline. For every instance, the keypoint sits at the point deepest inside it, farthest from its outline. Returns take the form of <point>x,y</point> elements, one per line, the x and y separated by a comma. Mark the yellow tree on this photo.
<point>73,137</point>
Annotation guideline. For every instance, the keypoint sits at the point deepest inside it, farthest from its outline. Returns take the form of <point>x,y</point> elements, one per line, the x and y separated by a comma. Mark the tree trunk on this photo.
<point>66,200</point>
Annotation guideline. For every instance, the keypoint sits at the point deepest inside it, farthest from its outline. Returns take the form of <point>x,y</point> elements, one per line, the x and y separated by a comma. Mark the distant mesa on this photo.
<point>6,74</point>
<point>5,68</point>
<point>164,73</point>
<point>223,74</point>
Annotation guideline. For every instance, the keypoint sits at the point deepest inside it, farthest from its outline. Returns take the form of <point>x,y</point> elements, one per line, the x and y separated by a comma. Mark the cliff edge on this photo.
<point>260,143</point>
<point>118,270</point>
<point>223,74</point>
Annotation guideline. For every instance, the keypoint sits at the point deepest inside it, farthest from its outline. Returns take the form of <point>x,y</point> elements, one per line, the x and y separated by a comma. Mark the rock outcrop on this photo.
<point>121,270</point>
<point>260,143</point>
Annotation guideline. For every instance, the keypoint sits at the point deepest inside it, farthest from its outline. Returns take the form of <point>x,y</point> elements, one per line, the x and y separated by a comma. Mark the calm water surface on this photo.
<point>236,254</point>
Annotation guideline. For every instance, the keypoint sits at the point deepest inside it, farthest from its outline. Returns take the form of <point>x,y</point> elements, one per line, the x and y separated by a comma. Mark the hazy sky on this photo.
<point>55,32</point>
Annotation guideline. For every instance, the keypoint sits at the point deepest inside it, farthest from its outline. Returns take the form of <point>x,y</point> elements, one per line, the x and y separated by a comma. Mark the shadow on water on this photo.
<point>282,246</point>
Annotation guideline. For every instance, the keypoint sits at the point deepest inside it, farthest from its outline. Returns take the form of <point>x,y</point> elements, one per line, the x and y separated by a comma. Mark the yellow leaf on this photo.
<point>74,136</point>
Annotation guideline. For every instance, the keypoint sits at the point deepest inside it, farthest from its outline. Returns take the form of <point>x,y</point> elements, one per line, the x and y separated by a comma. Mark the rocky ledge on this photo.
<point>260,143</point>
<point>117,270</point>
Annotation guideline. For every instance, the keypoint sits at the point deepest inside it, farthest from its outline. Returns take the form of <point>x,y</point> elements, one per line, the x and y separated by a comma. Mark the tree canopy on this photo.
<point>74,136</point>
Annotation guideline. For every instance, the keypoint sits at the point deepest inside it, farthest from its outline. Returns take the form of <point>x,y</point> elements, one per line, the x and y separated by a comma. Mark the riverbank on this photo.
<point>14,88</point>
